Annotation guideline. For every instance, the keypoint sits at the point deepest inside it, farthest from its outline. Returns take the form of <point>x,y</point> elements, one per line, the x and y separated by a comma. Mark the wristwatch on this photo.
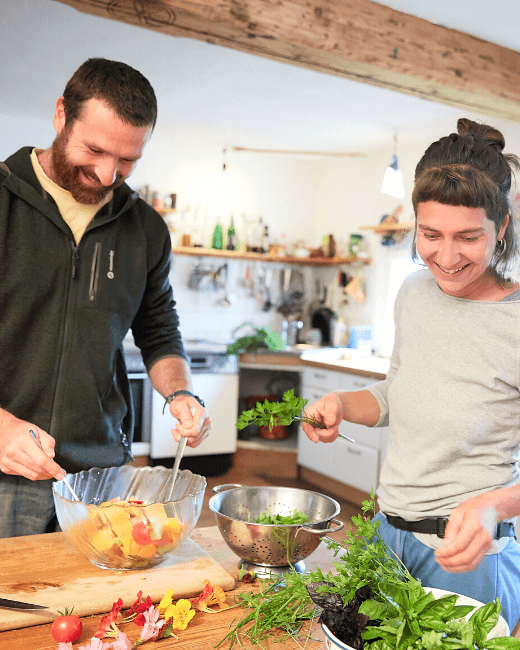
<point>171,397</point>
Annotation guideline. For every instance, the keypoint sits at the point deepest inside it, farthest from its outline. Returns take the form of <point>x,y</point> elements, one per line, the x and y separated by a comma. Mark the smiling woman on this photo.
<point>450,483</point>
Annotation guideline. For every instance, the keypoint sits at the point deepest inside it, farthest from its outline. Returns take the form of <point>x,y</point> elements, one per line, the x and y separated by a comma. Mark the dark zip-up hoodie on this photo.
<point>65,310</point>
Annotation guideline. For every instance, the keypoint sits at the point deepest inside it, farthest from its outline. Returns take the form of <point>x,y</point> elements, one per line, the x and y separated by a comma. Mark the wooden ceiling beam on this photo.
<point>356,39</point>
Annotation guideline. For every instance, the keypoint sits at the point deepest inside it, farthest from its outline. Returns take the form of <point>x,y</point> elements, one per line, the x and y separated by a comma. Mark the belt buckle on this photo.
<point>441,526</point>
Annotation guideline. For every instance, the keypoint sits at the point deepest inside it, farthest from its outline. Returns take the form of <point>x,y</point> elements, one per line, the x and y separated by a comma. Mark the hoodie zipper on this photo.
<point>94,272</point>
<point>73,273</point>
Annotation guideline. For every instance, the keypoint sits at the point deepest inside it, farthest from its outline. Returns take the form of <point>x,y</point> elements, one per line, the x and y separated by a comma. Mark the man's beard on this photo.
<point>67,176</point>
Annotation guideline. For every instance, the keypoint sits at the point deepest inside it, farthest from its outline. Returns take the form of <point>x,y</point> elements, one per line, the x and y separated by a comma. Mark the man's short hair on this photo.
<point>123,88</point>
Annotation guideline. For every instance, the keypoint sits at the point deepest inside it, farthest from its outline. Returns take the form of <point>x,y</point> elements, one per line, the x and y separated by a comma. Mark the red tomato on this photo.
<point>67,627</point>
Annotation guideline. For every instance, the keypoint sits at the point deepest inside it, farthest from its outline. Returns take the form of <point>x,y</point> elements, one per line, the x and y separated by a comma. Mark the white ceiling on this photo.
<point>228,97</point>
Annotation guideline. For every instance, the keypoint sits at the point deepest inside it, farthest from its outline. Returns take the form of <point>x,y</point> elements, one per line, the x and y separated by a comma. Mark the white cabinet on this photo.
<point>358,463</point>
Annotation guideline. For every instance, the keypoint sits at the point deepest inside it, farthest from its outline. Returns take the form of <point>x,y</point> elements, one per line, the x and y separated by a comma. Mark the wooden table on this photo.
<point>203,632</point>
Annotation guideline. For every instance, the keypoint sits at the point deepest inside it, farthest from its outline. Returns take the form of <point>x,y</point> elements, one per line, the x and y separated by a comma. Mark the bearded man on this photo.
<point>82,260</point>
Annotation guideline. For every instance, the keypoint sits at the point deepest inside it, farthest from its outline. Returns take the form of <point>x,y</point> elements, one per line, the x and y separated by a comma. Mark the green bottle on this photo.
<point>218,238</point>
<point>231,240</point>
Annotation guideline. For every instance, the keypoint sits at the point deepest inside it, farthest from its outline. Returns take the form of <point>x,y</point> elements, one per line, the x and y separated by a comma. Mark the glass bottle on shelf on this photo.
<point>217,241</point>
<point>265,240</point>
<point>231,237</point>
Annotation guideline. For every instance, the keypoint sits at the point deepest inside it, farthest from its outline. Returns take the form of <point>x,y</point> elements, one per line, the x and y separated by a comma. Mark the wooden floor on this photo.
<point>253,467</point>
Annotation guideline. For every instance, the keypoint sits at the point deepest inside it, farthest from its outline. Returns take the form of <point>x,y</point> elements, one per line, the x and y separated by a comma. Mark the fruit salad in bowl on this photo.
<point>128,517</point>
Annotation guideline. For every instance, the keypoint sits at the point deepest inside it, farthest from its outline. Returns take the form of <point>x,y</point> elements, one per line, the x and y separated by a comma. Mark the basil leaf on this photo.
<point>503,643</point>
<point>484,620</point>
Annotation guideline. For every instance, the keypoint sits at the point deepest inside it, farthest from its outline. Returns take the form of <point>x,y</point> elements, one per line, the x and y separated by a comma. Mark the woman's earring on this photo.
<point>500,247</point>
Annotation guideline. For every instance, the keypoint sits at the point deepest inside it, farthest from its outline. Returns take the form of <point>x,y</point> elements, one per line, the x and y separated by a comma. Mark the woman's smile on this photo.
<point>456,243</point>
<point>452,271</point>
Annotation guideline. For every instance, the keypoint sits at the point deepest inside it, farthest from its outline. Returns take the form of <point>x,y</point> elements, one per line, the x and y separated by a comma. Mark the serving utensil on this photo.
<point>36,439</point>
<point>178,457</point>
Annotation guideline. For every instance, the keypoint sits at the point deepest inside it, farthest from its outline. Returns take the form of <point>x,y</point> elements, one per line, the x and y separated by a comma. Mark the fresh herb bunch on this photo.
<point>411,618</point>
<point>271,414</point>
<point>263,337</point>
<point>277,612</point>
<point>368,561</point>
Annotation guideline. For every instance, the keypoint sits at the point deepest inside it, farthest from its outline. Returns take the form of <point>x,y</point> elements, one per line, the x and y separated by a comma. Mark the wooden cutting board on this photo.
<point>48,570</point>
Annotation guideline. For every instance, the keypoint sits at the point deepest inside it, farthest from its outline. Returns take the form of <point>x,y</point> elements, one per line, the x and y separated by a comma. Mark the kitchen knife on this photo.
<point>16,604</point>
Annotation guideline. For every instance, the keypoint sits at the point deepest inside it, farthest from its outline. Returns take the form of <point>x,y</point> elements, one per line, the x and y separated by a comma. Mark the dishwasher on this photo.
<point>215,380</point>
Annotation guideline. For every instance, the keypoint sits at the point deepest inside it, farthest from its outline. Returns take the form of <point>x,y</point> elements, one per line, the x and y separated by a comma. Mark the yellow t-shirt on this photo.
<point>76,215</point>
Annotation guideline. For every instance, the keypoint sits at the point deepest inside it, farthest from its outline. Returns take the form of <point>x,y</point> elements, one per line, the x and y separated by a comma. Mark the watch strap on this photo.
<point>171,397</point>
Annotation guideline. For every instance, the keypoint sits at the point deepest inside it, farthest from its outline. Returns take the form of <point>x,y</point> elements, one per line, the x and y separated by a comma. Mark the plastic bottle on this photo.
<point>339,333</point>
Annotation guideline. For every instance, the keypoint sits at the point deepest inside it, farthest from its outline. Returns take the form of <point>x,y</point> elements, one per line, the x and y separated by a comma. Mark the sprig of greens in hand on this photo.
<point>272,414</point>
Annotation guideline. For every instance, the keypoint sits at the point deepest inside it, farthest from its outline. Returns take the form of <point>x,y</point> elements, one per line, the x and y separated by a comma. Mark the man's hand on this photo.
<point>328,410</point>
<point>469,534</point>
<point>21,455</point>
<point>194,422</point>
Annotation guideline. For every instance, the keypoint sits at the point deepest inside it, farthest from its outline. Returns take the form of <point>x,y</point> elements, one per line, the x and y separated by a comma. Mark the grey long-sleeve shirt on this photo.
<point>451,399</point>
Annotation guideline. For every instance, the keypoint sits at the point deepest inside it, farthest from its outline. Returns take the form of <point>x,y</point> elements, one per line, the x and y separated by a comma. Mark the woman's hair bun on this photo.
<point>492,135</point>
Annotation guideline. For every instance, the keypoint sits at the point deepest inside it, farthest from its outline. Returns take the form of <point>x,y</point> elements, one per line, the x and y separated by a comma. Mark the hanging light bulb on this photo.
<point>393,178</point>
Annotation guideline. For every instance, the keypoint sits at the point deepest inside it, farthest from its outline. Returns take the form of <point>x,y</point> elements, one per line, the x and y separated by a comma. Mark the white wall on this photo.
<point>304,199</point>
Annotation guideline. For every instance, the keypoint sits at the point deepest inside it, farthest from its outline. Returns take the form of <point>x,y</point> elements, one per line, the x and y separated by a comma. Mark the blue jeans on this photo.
<point>26,507</point>
<point>496,575</point>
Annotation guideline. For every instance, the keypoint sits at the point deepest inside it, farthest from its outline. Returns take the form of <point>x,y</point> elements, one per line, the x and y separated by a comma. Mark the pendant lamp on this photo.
<point>393,178</point>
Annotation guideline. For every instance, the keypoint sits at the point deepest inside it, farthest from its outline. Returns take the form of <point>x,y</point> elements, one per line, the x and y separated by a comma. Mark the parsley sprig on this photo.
<point>282,413</point>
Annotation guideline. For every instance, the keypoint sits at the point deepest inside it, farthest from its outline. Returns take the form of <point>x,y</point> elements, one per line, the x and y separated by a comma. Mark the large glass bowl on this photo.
<point>128,535</point>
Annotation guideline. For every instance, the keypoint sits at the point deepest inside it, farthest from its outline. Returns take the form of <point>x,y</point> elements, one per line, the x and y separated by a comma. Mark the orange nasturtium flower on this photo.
<point>210,596</point>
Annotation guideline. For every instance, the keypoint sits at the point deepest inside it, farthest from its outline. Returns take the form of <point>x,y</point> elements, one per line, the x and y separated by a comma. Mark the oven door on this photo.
<point>141,388</point>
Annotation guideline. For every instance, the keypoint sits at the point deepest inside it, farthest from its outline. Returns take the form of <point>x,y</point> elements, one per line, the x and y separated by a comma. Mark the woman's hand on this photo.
<point>193,423</point>
<point>328,410</point>
<point>469,534</point>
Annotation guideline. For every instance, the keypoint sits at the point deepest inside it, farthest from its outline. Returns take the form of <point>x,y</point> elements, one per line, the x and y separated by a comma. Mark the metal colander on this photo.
<point>235,506</point>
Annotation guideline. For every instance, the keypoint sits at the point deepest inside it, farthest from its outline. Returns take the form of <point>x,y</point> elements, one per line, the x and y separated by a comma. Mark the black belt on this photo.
<point>438,526</point>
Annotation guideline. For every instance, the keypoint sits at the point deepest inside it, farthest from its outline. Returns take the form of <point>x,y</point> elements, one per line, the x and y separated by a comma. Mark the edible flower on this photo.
<point>108,621</point>
<point>152,624</point>
<point>178,615</point>
<point>138,609</point>
<point>210,596</point>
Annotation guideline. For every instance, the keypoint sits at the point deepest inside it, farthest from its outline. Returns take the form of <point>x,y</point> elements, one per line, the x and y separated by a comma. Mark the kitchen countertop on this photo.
<point>337,359</point>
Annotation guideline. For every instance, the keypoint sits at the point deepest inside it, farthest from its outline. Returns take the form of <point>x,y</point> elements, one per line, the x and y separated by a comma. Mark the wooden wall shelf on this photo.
<point>265,257</point>
<point>383,229</point>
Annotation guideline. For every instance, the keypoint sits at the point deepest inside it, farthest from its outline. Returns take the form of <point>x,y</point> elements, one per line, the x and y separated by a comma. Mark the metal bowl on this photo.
<point>235,506</point>
<point>126,537</point>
